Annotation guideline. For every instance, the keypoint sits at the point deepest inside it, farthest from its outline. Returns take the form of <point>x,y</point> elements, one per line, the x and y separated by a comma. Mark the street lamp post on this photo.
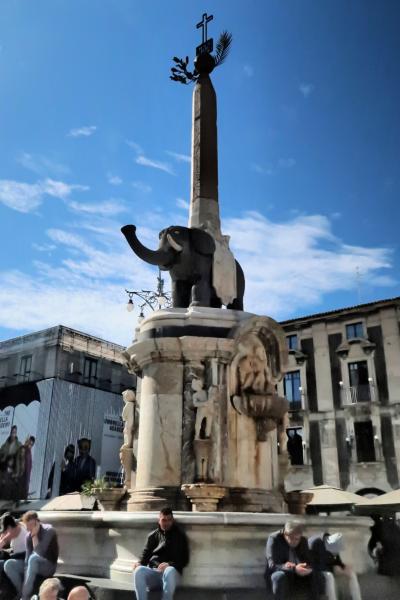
<point>156,300</point>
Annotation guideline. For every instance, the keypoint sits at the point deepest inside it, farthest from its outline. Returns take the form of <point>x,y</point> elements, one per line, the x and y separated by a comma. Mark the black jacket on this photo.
<point>277,553</point>
<point>166,546</point>
<point>322,559</point>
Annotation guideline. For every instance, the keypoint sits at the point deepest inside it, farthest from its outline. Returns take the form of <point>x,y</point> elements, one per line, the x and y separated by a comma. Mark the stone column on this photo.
<point>158,476</point>
<point>322,367</point>
<point>204,194</point>
<point>329,454</point>
<point>391,344</point>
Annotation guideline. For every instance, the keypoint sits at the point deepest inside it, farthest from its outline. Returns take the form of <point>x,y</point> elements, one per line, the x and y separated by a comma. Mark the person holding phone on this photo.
<point>288,566</point>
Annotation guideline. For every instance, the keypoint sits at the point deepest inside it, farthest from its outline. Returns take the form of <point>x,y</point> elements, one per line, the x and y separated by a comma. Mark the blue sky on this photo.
<point>94,135</point>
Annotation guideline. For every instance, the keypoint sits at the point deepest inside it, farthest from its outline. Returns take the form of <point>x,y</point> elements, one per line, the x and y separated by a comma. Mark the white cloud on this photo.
<point>43,247</point>
<point>260,169</point>
<point>281,163</point>
<point>248,70</point>
<point>142,187</point>
<point>85,131</point>
<point>293,264</point>
<point>179,157</point>
<point>114,179</point>
<point>59,189</point>
<point>41,165</point>
<point>135,146</point>
<point>107,208</point>
<point>26,197</point>
<point>306,89</point>
<point>154,164</point>
<point>286,163</point>
<point>23,197</point>
<point>181,203</point>
<point>289,266</point>
<point>86,290</point>
<point>144,161</point>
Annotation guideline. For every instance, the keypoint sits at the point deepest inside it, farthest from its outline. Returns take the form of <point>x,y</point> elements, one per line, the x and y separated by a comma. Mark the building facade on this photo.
<point>60,385</point>
<point>343,388</point>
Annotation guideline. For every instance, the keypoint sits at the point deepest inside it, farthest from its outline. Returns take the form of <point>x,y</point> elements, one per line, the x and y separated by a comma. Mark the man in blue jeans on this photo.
<point>40,559</point>
<point>163,559</point>
<point>289,564</point>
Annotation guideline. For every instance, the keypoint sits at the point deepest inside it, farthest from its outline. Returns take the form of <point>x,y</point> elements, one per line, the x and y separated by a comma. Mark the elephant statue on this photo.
<point>187,253</point>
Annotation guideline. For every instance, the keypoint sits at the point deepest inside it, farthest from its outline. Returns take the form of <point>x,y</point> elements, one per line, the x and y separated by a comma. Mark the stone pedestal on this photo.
<point>202,450</point>
<point>297,502</point>
<point>204,496</point>
<point>192,363</point>
<point>128,462</point>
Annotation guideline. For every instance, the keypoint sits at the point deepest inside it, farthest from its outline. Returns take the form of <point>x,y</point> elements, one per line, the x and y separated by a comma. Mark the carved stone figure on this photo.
<point>253,375</point>
<point>249,369</point>
<point>126,455</point>
<point>128,416</point>
<point>204,402</point>
<point>187,253</point>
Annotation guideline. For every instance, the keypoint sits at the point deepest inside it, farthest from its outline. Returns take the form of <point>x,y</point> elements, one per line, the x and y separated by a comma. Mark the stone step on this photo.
<point>373,587</point>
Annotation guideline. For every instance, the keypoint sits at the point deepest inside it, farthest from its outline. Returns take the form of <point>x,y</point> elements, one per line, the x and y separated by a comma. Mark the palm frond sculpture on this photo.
<point>180,71</point>
<point>222,48</point>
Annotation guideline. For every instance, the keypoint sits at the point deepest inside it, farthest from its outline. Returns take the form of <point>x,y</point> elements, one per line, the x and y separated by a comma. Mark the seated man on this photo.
<point>163,559</point>
<point>41,556</point>
<point>289,564</point>
<point>325,549</point>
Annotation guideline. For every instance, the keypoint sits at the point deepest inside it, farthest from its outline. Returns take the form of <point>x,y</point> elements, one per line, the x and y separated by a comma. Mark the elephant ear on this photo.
<point>202,241</point>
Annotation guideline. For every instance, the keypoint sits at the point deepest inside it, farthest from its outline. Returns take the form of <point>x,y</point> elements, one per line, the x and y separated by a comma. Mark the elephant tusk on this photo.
<point>173,243</point>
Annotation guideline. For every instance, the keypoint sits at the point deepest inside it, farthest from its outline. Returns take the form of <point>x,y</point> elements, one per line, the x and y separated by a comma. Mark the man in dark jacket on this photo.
<point>289,563</point>
<point>40,559</point>
<point>163,559</point>
<point>84,465</point>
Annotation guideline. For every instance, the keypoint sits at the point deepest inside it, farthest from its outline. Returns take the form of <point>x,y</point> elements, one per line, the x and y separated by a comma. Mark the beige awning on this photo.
<point>327,495</point>
<point>73,501</point>
<point>389,499</point>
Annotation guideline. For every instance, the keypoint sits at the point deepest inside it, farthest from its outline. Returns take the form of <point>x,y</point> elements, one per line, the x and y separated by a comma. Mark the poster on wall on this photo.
<point>112,440</point>
<point>6,417</point>
<point>18,426</point>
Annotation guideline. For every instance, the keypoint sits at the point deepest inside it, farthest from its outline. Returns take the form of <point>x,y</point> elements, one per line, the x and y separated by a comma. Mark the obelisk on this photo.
<point>204,207</point>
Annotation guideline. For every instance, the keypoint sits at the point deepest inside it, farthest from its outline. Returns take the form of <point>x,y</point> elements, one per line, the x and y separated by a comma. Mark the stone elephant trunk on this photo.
<point>160,257</point>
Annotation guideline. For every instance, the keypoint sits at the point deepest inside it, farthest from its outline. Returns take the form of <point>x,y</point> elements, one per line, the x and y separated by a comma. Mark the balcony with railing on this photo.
<point>357,394</point>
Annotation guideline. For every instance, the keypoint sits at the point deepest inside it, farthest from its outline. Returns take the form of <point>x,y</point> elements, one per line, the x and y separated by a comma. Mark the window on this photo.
<point>354,330</point>
<point>90,371</point>
<point>291,341</point>
<point>359,382</point>
<point>295,445</point>
<point>25,367</point>
<point>292,385</point>
<point>364,441</point>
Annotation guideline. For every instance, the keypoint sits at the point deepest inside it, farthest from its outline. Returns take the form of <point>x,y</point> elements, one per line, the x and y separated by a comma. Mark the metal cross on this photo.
<point>203,23</point>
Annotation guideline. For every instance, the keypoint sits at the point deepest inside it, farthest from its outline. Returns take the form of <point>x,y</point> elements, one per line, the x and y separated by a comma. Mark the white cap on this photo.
<point>334,543</point>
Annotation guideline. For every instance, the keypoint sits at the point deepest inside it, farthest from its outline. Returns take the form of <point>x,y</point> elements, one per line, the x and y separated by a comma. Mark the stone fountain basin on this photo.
<point>227,549</point>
